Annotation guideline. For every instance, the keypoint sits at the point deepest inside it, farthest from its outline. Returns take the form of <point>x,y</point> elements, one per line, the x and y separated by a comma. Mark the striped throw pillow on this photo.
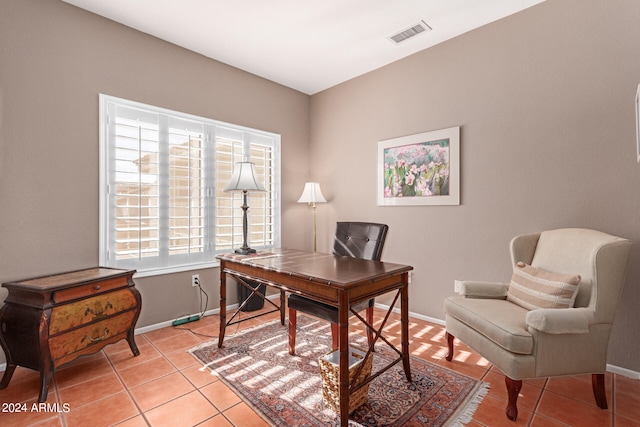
<point>533,288</point>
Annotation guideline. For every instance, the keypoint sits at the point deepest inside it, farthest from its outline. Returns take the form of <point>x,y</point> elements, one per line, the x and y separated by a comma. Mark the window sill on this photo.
<point>177,269</point>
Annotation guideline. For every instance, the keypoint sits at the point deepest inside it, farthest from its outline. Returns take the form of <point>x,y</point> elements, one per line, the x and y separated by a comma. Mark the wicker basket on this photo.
<point>330,371</point>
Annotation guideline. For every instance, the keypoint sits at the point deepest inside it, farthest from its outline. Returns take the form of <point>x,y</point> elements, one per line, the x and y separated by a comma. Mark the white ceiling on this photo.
<point>308,45</point>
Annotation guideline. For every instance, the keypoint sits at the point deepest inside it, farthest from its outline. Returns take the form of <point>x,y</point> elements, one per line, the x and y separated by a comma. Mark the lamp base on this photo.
<point>245,251</point>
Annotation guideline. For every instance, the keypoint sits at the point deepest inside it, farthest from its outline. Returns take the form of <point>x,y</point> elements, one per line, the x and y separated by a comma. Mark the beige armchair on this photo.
<point>507,328</point>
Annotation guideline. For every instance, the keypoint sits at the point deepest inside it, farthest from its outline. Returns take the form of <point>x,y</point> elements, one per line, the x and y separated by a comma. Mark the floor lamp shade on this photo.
<point>244,179</point>
<point>312,195</point>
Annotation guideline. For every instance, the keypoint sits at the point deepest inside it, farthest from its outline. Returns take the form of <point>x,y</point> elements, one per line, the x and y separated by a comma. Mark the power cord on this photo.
<point>192,318</point>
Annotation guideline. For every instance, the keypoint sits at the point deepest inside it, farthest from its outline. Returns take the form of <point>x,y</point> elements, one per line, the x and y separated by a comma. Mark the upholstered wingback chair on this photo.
<point>363,240</point>
<point>514,326</point>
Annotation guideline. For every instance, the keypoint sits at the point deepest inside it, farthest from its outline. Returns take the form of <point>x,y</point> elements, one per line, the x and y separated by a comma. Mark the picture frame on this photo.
<point>638,123</point>
<point>420,170</point>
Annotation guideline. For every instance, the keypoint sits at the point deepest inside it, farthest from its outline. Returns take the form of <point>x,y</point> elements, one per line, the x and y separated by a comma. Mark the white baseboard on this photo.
<point>623,371</point>
<point>412,314</point>
<point>610,368</point>
<point>161,325</point>
<point>427,318</point>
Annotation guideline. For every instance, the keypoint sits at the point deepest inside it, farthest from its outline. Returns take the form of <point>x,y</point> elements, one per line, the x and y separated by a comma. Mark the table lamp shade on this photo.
<point>312,194</point>
<point>244,178</point>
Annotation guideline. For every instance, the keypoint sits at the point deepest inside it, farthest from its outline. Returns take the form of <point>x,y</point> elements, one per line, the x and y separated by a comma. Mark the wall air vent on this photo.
<point>412,31</point>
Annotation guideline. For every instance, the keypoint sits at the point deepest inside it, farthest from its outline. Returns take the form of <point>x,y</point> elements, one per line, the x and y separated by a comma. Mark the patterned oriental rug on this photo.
<point>287,390</point>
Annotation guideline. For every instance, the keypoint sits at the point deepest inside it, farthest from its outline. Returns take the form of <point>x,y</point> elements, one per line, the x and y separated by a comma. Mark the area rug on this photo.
<point>287,390</point>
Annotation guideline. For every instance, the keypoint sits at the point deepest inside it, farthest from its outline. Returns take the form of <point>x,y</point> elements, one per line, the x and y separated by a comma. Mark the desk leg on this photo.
<point>223,303</point>
<point>343,330</point>
<point>282,306</point>
<point>404,320</point>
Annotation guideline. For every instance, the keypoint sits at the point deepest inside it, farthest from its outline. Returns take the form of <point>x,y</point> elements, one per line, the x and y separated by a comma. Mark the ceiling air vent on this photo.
<point>403,35</point>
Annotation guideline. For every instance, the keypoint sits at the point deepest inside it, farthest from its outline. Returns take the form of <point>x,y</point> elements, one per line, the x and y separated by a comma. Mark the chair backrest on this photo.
<point>599,258</point>
<point>363,240</point>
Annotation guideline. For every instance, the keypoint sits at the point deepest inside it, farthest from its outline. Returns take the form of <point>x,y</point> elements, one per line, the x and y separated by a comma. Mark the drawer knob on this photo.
<point>97,287</point>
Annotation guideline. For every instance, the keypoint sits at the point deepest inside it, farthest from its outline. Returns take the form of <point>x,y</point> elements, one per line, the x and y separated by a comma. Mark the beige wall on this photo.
<point>544,99</point>
<point>545,102</point>
<point>54,61</point>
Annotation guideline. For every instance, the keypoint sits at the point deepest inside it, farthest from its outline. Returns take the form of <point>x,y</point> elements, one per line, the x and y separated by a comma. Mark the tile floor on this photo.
<point>165,386</point>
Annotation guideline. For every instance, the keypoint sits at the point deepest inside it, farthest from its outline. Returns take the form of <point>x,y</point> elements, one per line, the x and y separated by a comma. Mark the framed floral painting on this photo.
<point>422,169</point>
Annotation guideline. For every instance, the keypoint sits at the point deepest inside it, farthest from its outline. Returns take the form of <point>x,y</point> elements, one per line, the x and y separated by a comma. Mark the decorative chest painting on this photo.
<point>422,169</point>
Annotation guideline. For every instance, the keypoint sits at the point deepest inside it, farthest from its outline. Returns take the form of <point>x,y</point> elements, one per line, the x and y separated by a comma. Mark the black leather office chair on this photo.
<point>362,240</point>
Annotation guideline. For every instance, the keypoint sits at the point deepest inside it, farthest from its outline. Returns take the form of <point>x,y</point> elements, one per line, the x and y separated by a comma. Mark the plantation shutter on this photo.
<point>162,176</point>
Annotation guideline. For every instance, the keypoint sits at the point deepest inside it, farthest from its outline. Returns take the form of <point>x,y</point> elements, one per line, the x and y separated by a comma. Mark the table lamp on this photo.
<point>244,179</point>
<point>312,195</point>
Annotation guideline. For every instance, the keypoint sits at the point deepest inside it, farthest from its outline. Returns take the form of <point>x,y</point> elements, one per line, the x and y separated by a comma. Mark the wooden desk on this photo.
<point>338,281</point>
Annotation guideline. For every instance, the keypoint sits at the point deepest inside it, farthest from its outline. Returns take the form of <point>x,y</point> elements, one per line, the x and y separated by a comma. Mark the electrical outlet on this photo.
<point>195,280</point>
<point>457,286</point>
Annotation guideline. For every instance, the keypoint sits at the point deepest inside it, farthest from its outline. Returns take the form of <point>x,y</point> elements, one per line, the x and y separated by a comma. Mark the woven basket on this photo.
<point>330,371</point>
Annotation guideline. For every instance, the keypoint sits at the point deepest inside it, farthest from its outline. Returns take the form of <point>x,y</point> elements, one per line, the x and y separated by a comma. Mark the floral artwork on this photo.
<point>420,169</point>
<point>417,170</point>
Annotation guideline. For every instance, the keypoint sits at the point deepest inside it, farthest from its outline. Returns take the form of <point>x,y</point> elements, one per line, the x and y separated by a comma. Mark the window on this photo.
<point>162,208</point>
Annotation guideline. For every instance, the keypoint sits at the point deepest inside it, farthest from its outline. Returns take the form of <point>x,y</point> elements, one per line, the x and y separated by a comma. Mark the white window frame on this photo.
<point>239,143</point>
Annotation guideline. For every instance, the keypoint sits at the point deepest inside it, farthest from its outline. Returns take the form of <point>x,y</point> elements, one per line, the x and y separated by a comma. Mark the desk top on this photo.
<point>333,269</point>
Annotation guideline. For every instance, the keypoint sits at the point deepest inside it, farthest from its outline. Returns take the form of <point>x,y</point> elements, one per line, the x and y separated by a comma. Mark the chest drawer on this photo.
<point>68,344</point>
<point>78,313</point>
<point>89,289</point>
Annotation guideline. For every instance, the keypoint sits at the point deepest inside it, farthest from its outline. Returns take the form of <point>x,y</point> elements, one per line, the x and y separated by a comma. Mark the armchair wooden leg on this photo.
<point>293,321</point>
<point>599,392</point>
<point>449,338</point>
<point>513,389</point>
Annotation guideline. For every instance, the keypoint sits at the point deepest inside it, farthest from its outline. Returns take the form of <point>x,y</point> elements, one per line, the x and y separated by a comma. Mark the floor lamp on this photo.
<point>312,195</point>
<point>244,179</point>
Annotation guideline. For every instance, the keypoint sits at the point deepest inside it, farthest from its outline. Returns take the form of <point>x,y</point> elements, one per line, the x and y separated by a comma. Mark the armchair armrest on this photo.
<point>558,320</point>
<point>480,290</point>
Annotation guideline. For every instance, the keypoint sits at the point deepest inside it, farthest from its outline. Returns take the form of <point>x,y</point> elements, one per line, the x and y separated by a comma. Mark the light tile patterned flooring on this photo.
<point>165,386</point>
